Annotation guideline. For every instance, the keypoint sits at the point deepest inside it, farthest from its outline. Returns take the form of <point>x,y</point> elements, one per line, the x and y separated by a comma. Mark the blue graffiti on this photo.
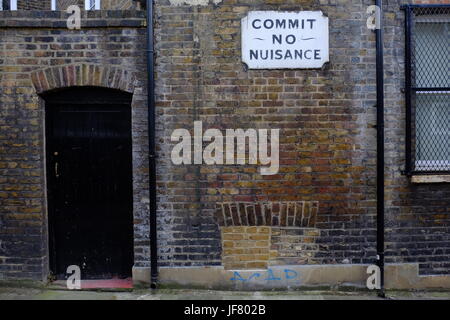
<point>293,275</point>
<point>255,275</point>
<point>288,275</point>
<point>237,277</point>
<point>270,276</point>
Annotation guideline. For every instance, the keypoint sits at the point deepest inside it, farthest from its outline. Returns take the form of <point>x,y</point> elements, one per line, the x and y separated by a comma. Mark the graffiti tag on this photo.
<point>287,274</point>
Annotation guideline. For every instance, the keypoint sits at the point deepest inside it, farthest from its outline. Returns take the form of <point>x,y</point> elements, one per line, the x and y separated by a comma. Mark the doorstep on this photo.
<point>97,284</point>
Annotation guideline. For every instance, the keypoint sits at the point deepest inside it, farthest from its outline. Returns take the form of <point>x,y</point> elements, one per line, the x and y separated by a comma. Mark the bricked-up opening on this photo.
<point>89,181</point>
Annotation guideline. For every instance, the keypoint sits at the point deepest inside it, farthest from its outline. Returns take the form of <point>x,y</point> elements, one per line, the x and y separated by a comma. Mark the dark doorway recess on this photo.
<point>89,182</point>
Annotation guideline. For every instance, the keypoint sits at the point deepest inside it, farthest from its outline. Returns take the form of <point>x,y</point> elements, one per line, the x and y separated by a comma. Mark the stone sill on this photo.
<point>58,19</point>
<point>441,178</point>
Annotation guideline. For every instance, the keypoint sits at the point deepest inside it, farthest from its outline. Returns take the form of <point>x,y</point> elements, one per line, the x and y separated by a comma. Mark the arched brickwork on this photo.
<point>301,214</point>
<point>83,75</point>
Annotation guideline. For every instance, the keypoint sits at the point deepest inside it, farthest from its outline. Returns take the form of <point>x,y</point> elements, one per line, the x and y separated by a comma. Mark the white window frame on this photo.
<point>88,5</point>
<point>12,4</point>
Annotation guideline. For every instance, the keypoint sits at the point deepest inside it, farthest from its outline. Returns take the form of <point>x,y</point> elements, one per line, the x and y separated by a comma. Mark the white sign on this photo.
<point>285,40</point>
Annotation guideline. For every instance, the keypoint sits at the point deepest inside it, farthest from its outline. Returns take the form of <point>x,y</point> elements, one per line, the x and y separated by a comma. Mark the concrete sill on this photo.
<point>442,178</point>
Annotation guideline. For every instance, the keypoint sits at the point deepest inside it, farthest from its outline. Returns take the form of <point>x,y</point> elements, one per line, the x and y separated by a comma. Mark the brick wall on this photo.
<point>30,59</point>
<point>430,1</point>
<point>327,140</point>
<point>64,4</point>
<point>295,246</point>
<point>104,4</point>
<point>119,4</point>
<point>327,137</point>
<point>417,216</point>
<point>246,247</point>
<point>33,4</point>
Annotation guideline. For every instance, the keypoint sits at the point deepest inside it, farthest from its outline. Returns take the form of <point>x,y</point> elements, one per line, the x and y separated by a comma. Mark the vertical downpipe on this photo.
<point>408,85</point>
<point>151,145</point>
<point>380,146</point>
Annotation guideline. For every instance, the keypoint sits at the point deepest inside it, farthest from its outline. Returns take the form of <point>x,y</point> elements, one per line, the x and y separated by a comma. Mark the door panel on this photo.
<point>89,169</point>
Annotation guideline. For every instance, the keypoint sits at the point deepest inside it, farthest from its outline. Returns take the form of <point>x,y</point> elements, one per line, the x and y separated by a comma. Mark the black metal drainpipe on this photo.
<point>380,145</point>
<point>151,145</point>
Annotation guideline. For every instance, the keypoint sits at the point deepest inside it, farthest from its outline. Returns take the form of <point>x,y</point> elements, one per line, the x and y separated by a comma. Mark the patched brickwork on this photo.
<point>294,246</point>
<point>260,247</point>
<point>294,214</point>
<point>246,247</point>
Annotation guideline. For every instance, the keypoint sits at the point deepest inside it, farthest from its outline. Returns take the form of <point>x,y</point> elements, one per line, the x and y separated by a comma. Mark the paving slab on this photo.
<point>18,293</point>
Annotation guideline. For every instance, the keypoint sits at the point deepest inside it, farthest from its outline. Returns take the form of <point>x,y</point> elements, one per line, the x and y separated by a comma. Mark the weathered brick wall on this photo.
<point>302,214</point>
<point>328,149</point>
<point>418,216</point>
<point>118,4</point>
<point>33,4</point>
<point>326,141</point>
<point>327,137</point>
<point>294,246</point>
<point>98,53</point>
<point>246,247</point>
<point>104,4</point>
<point>64,4</point>
<point>430,1</point>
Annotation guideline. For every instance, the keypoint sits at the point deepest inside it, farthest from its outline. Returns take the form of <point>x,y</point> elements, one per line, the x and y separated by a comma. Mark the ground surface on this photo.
<point>29,293</point>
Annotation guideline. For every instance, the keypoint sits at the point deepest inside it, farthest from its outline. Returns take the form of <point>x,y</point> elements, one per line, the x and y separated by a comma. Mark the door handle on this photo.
<point>56,165</point>
<point>56,170</point>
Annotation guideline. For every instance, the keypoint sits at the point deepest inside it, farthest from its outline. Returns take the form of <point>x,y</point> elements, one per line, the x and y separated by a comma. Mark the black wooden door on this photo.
<point>89,171</point>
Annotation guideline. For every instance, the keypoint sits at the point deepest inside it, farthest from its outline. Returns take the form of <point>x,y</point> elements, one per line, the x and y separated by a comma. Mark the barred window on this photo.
<point>8,5</point>
<point>427,89</point>
<point>92,4</point>
<point>88,4</point>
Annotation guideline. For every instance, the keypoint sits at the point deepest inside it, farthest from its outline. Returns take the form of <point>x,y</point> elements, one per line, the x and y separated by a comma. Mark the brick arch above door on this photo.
<point>83,75</point>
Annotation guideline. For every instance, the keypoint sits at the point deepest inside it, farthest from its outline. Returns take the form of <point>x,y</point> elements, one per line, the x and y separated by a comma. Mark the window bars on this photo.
<point>8,5</point>
<point>427,89</point>
<point>92,4</point>
<point>88,5</point>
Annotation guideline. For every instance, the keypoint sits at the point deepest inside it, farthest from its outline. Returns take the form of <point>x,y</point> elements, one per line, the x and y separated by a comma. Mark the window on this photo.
<point>88,5</point>
<point>427,89</point>
<point>92,4</point>
<point>8,4</point>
